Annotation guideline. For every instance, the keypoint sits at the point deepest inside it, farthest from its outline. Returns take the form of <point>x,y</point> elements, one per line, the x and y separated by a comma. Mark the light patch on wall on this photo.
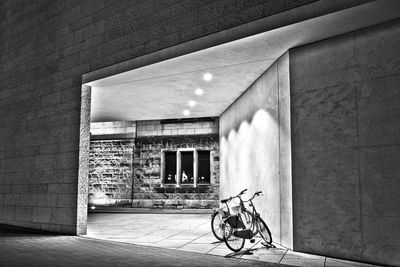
<point>250,158</point>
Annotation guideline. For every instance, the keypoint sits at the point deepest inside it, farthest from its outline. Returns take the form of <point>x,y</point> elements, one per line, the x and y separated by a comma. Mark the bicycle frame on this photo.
<point>222,215</point>
<point>254,215</point>
<point>254,211</point>
<point>237,222</point>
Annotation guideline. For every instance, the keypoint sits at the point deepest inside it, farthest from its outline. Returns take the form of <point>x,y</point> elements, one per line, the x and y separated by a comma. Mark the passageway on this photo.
<point>277,112</point>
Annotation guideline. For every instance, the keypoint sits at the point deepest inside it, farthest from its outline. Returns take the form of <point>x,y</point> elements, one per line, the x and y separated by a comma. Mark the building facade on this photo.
<point>325,114</point>
<point>135,164</point>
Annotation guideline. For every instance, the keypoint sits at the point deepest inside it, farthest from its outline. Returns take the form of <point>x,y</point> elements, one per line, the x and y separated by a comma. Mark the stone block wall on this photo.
<point>157,128</point>
<point>128,171</point>
<point>148,190</point>
<point>110,172</point>
<point>125,129</point>
<point>45,48</point>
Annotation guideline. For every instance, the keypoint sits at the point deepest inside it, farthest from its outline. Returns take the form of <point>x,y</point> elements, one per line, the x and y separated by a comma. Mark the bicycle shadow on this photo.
<point>249,251</point>
<point>217,242</point>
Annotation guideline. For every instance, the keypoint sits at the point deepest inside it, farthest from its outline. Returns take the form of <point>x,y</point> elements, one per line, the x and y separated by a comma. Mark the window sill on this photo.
<point>184,185</point>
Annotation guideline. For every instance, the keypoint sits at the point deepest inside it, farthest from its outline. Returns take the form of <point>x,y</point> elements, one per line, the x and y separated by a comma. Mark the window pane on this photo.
<point>170,168</point>
<point>204,166</point>
<point>187,167</point>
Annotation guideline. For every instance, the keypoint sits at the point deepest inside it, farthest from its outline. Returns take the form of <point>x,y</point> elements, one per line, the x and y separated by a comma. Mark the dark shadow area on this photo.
<point>248,251</point>
<point>217,242</point>
<point>15,231</point>
<point>267,246</point>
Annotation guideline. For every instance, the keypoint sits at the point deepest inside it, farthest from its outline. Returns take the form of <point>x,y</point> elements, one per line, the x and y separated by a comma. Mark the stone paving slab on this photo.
<point>192,232</point>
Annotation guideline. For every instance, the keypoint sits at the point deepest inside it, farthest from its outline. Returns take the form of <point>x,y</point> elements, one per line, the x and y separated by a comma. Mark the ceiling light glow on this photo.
<point>207,76</point>
<point>186,112</point>
<point>199,91</point>
<point>192,103</point>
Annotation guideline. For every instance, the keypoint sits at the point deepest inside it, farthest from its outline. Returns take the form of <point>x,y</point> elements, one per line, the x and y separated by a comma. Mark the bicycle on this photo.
<point>219,215</point>
<point>236,232</point>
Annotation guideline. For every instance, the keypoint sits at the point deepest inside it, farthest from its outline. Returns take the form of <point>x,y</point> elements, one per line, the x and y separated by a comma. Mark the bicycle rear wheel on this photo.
<point>264,231</point>
<point>234,243</point>
<point>217,226</point>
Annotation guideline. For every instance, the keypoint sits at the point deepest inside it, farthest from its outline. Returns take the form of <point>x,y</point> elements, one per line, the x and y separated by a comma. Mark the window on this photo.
<point>186,167</point>
<point>187,176</point>
<point>204,166</point>
<point>170,167</point>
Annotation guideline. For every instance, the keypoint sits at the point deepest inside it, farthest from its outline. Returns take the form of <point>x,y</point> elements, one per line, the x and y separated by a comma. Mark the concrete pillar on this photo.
<point>162,174</point>
<point>195,168</point>
<point>178,168</point>
<point>83,172</point>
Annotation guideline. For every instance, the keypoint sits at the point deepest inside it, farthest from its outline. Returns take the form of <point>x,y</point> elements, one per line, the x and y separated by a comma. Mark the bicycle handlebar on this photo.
<point>230,198</point>
<point>241,193</point>
<point>255,194</point>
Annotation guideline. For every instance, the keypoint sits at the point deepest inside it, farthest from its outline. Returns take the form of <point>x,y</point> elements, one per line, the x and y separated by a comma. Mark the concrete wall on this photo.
<point>255,148</point>
<point>345,113</point>
<point>45,47</point>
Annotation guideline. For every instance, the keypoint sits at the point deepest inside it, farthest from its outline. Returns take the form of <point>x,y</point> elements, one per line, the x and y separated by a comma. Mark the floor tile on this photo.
<point>171,243</point>
<point>200,248</point>
<point>220,252</point>
<point>342,263</point>
<point>302,259</point>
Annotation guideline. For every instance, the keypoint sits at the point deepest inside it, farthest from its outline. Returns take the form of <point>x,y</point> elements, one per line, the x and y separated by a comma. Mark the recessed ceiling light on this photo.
<point>207,76</point>
<point>199,91</point>
<point>186,112</point>
<point>192,103</point>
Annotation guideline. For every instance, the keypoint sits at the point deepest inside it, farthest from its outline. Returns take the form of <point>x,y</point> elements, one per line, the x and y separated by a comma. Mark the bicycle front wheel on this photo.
<point>250,222</point>
<point>217,226</point>
<point>264,231</point>
<point>234,243</point>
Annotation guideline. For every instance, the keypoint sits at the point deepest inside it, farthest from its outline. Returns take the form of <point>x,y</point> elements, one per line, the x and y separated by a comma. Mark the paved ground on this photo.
<point>192,233</point>
<point>20,248</point>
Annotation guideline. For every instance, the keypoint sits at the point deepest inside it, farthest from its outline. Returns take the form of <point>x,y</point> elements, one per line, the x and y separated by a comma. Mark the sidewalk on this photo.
<point>149,210</point>
<point>192,233</point>
<point>29,248</point>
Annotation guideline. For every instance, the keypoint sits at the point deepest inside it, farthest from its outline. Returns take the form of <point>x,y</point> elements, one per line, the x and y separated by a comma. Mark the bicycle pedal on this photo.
<point>252,240</point>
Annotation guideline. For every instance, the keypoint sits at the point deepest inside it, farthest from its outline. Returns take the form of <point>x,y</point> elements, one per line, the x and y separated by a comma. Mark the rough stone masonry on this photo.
<point>125,164</point>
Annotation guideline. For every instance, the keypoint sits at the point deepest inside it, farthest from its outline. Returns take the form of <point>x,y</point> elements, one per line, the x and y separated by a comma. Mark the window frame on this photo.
<point>179,167</point>
<point>209,167</point>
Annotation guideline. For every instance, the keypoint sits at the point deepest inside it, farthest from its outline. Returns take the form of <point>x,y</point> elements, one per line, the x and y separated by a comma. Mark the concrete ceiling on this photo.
<point>163,90</point>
